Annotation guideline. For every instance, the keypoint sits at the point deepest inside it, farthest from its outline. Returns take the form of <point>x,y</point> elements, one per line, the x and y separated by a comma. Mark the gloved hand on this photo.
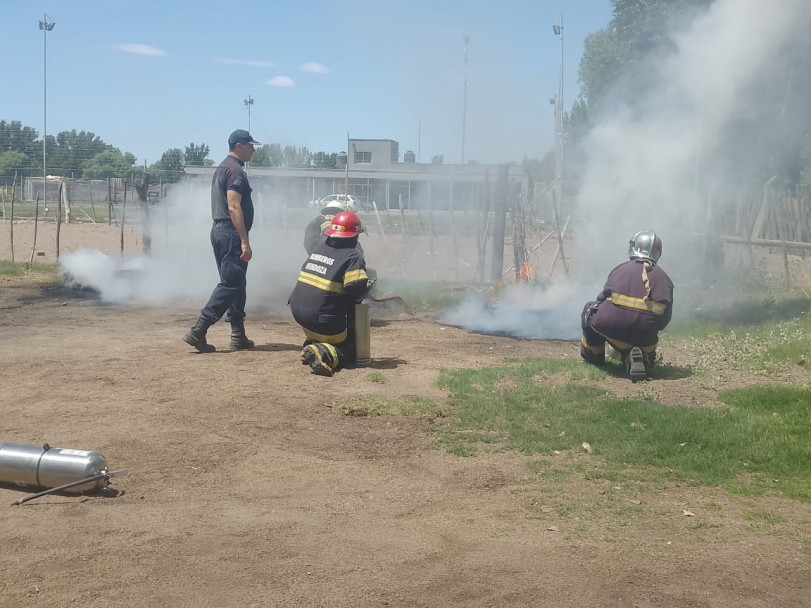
<point>589,311</point>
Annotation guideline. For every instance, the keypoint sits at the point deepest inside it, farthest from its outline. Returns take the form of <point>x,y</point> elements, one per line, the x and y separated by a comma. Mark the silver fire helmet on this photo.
<point>645,244</point>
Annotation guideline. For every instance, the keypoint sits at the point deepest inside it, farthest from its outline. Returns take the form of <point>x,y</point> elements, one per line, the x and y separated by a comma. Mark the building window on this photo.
<point>363,157</point>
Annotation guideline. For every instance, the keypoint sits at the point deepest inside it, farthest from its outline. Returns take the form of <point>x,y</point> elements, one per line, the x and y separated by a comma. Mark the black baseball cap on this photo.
<point>241,136</point>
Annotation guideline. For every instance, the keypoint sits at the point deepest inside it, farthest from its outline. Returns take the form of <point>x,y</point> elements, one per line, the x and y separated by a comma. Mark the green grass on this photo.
<point>759,334</point>
<point>81,212</point>
<point>767,517</point>
<point>12,269</point>
<point>376,377</point>
<point>756,444</point>
<point>15,269</point>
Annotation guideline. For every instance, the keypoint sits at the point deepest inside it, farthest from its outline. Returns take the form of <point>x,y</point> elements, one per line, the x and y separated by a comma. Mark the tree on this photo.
<point>268,155</point>
<point>576,123</point>
<point>195,156</point>
<point>110,163</point>
<point>619,57</point>
<point>323,160</point>
<point>14,137</point>
<point>11,162</point>
<point>70,150</point>
<point>296,157</point>
<point>438,159</point>
<point>170,167</point>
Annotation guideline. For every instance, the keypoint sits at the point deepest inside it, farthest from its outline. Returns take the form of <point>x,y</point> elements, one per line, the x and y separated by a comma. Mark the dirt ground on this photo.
<point>248,486</point>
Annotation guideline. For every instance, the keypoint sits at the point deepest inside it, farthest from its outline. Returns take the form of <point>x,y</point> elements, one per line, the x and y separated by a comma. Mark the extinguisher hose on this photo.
<point>103,475</point>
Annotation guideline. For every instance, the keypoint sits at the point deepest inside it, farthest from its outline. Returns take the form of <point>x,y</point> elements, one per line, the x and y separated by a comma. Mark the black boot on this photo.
<point>196,336</point>
<point>635,365</point>
<point>239,341</point>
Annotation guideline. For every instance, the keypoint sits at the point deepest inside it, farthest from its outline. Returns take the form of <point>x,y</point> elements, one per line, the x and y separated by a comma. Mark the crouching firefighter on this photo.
<point>332,280</point>
<point>633,307</point>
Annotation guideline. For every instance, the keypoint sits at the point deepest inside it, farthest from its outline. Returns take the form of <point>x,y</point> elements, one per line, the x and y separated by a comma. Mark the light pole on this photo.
<point>46,26</point>
<point>558,31</point>
<point>248,104</point>
<point>464,100</point>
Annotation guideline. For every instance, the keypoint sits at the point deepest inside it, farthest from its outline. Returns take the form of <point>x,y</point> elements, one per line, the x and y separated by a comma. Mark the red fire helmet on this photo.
<point>344,225</point>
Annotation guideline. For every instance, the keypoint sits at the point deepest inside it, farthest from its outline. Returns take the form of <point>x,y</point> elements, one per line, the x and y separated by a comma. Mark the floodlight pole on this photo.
<point>558,31</point>
<point>346,175</point>
<point>464,100</point>
<point>46,26</point>
<point>248,104</point>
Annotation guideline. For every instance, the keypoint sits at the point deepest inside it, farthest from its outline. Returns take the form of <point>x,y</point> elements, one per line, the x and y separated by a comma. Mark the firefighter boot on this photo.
<point>635,364</point>
<point>239,341</point>
<point>196,336</point>
<point>320,357</point>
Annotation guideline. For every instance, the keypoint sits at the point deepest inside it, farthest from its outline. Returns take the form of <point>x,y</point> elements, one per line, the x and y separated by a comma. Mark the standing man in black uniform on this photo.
<point>332,280</point>
<point>633,307</point>
<point>232,212</point>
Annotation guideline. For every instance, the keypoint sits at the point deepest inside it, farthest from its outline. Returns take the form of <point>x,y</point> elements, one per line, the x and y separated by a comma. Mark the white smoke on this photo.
<point>181,267</point>
<point>644,163</point>
<point>527,311</point>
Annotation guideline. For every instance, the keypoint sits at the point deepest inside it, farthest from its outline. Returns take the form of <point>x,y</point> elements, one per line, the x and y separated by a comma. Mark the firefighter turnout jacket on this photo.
<point>331,281</point>
<point>635,304</point>
<point>314,231</point>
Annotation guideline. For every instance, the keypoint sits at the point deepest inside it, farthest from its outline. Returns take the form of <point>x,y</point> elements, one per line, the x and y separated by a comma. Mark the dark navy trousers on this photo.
<point>229,295</point>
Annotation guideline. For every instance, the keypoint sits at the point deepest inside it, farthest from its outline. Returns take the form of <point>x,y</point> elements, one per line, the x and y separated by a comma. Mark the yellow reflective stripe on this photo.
<point>325,338</point>
<point>320,282</point>
<point>621,346</point>
<point>619,299</point>
<point>332,351</point>
<point>594,350</point>
<point>353,276</point>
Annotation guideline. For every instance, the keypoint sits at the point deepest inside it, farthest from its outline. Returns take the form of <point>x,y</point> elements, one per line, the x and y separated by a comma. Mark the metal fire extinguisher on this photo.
<point>61,469</point>
<point>363,346</point>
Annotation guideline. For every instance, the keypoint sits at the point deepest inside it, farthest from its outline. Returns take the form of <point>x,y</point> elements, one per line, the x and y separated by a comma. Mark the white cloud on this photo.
<point>140,49</point>
<point>254,63</point>
<point>280,81</point>
<point>315,68</point>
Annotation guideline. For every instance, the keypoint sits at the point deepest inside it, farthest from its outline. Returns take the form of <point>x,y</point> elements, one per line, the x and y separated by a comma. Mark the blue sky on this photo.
<point>147,76</point>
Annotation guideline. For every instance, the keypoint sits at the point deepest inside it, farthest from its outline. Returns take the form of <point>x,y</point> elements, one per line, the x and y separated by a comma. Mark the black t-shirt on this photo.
<point>230,175</point>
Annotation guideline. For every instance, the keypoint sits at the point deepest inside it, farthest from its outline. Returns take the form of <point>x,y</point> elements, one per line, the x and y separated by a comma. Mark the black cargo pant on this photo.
<point>230,293</point>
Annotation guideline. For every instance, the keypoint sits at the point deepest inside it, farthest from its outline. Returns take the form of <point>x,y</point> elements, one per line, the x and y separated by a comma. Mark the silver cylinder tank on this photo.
<point>363,346</point>
<point>41,466</point>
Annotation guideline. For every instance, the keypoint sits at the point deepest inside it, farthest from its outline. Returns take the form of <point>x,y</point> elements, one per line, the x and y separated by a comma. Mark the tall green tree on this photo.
<point>622,64</point>
<point>296,157</point>
<point>170,167</point>
<point>621,57</point>
<point>71,150</point>
<point>14,137</point>
<point>324,160</point>
<point>110,163</point>
<point>195,156</point>
<point>11,162</point>
<point>268,155</point>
